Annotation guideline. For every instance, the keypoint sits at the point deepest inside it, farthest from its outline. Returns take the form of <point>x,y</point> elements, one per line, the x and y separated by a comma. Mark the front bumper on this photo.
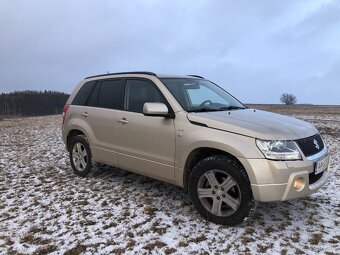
<point>274,180</point>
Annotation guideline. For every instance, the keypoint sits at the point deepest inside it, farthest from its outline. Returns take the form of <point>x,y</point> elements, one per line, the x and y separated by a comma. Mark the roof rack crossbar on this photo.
<point>100,75</point>
<point>197,76</point>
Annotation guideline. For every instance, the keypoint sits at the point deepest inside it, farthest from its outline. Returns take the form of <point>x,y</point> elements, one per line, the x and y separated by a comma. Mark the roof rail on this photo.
<point>197,76</point>
<point>100,75</point>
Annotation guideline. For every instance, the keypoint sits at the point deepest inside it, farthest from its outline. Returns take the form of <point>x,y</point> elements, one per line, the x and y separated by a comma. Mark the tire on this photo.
<point>80,155</point>
<point>220,190</point>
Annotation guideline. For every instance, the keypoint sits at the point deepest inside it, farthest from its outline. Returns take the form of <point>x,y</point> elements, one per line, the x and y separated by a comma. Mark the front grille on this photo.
<point>314,178</point>
<point>310,145</point>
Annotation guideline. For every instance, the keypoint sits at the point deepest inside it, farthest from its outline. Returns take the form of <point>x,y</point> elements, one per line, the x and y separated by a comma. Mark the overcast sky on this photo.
<point>256,50</point>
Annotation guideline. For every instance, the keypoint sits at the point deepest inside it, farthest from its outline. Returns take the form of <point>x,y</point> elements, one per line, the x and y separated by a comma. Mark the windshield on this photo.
<point>196,95</point>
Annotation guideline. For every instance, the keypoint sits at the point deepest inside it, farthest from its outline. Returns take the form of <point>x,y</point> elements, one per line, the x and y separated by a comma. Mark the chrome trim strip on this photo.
<point>299,149</point>
<point>319,154</point>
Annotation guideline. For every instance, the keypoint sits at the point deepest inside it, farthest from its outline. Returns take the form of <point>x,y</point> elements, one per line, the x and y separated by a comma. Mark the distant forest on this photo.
<point>32,103</point>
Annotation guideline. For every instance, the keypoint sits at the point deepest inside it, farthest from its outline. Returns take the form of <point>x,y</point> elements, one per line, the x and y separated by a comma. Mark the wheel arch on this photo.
<point>72,133</point>
<point>199,154</point>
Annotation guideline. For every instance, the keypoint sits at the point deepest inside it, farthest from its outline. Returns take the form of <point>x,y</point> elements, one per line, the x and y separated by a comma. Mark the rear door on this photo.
<point>145,144</point>
<point>102,114</point>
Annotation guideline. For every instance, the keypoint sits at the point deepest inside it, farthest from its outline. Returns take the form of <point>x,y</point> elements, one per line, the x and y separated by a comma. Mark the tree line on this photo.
<point>32,103</point>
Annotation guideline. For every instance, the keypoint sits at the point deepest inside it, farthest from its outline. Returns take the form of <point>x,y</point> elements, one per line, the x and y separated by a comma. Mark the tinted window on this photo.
<point>110,94</point>
<point>83,93</point>
<point>139,92</point>
<point>93,99</point>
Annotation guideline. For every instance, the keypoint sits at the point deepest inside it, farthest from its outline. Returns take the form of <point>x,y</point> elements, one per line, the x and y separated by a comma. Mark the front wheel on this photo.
<point>220,190</point>
<point>80,155</point>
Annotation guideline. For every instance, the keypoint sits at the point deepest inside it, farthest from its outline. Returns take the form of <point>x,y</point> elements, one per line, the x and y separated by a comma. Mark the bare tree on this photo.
<point>288,99</point>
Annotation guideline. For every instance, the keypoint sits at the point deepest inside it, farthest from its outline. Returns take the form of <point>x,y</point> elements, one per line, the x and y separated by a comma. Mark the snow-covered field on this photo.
<point>45,208</point>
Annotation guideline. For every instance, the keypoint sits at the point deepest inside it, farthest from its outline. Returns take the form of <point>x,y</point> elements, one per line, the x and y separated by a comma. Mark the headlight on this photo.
<point>279,150</point>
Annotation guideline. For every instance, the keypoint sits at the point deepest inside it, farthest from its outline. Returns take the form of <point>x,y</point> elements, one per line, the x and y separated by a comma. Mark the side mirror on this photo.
<point>155,110</point>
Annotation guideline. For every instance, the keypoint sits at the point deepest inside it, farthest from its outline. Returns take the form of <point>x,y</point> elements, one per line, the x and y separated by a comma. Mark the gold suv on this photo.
<point>188,131</point>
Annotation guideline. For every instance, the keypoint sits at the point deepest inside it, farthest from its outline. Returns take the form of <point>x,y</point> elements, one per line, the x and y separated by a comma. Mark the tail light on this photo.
<point>66,106</point>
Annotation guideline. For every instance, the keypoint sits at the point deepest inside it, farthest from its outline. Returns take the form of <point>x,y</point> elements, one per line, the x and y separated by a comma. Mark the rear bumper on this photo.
<point>274,180</point>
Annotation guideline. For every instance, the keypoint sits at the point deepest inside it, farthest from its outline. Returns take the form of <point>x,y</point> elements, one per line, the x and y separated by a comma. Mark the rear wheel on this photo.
<point>80,155</point>
<point>220,190</point>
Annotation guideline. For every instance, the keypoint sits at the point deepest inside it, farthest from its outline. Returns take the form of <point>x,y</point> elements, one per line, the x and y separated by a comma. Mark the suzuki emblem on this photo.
<point>316,144</point>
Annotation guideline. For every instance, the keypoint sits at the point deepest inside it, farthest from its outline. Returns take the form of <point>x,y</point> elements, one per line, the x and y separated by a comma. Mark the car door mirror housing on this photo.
<point>155,110</point>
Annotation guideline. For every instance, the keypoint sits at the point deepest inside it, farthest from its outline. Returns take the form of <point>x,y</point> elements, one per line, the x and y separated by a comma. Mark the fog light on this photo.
<point>299,183</point>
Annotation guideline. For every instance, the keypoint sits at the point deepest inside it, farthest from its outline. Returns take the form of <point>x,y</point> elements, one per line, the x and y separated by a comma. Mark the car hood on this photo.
<point>255,123</point>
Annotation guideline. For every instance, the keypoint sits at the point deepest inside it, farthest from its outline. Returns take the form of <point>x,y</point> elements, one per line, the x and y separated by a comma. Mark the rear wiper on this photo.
<point>227,108</point>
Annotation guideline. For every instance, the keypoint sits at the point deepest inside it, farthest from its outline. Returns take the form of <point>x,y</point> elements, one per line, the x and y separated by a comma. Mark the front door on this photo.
<point>145,144</point>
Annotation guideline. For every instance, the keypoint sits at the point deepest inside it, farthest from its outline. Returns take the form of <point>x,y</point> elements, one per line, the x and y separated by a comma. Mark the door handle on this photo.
<point>85,114</point>
<point>123,121</point>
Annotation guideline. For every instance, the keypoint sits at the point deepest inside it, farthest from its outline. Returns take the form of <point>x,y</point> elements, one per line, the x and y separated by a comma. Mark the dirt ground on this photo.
<point>45,208</point>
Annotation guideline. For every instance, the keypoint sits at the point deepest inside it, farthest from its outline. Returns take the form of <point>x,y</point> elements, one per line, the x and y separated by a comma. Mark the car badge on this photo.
<point>316,144</point>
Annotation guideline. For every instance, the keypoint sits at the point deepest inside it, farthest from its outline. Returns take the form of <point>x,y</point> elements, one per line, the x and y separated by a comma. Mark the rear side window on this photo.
<point>110,94</point>
<point>83,93</point>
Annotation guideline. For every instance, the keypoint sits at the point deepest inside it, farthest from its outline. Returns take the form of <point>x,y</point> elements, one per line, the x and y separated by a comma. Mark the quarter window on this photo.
<point>139,92</point>
<point>83,93</point>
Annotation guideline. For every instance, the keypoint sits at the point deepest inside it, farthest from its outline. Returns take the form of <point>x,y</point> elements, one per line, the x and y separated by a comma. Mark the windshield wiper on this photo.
<point>224,108</point>
<point>232,107</point>
<point>204,110</point>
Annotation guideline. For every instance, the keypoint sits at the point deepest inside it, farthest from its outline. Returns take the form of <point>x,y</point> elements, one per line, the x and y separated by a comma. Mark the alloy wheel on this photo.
<point>79,156</point>
<point>219,193</point>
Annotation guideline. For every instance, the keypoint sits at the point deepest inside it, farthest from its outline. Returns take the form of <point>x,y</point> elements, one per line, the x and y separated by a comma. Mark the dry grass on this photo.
<point>76,250</point>
<point>320,110</point>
